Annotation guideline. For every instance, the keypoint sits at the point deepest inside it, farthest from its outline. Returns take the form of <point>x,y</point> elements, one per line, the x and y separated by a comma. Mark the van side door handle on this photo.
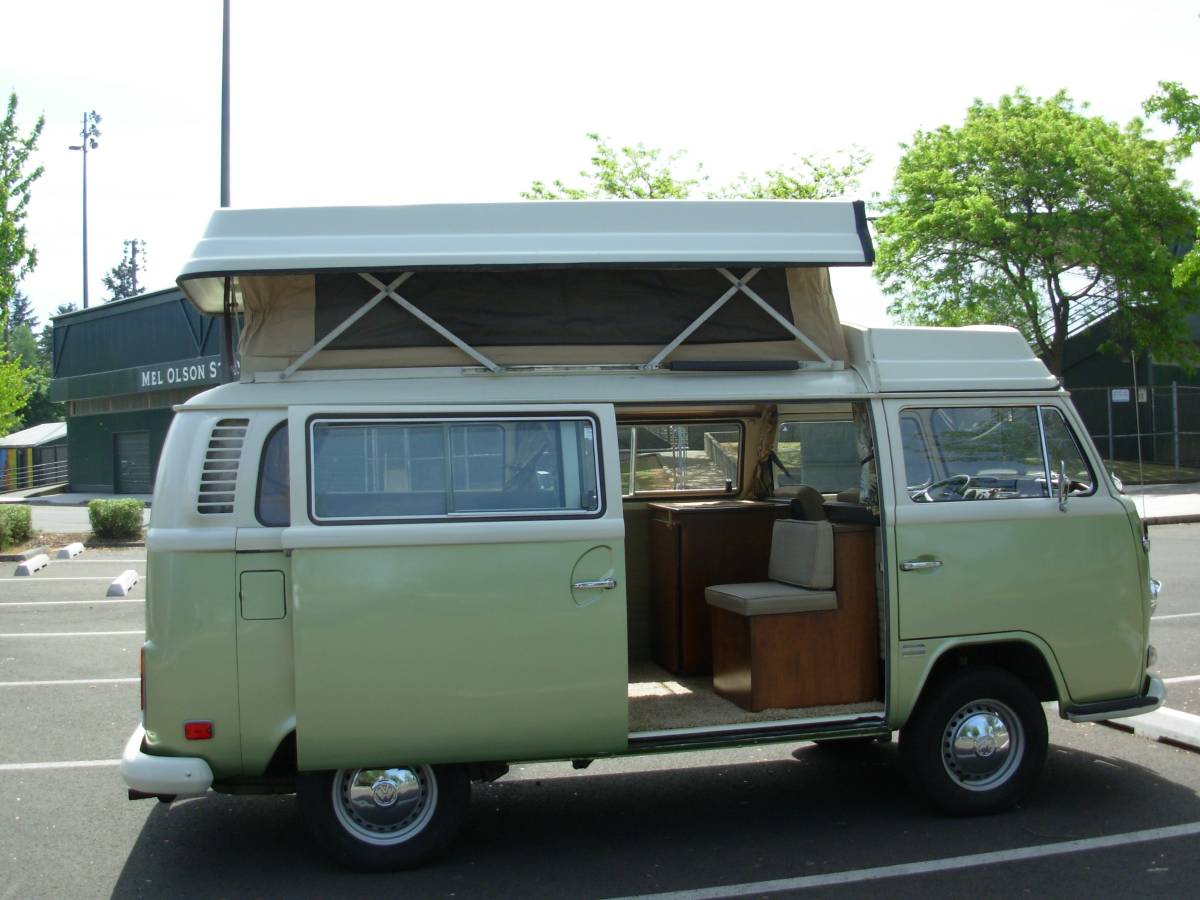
<point>915,565</point>
<point>604,584</point>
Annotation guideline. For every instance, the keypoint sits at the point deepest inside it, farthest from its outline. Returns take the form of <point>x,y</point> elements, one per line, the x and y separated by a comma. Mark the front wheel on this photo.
<point>385,819</point>
<point>976,744</point>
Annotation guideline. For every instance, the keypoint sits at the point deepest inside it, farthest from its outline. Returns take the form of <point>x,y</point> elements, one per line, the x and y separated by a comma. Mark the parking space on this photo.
<point>745,822</point>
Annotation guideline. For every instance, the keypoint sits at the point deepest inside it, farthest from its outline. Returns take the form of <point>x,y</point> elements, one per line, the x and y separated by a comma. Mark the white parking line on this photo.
<point>4,684</point>
<point>1181,679</point>
<point>34,579</point>
<point>42,634</point>
<point>1175,616</point>
<point>103,601</point>
<point>926,867</point>
<point>71,764</point>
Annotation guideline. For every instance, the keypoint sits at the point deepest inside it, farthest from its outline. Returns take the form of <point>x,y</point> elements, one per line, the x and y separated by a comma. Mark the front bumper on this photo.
<point>1151,699</point>
<point>162,774</point>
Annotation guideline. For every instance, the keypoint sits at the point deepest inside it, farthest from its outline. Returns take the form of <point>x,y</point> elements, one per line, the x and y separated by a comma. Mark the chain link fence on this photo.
<point>1166,417</point>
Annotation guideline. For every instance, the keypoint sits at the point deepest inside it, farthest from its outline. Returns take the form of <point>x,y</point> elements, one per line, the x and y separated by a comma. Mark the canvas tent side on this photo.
<point>645,284</point>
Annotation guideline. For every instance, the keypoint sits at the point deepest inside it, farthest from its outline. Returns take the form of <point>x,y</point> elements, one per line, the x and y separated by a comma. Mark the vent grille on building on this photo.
<point>218,480</point>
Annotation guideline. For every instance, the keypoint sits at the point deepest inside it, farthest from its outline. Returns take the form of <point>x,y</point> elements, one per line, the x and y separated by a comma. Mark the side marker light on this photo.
<point>198,731</point>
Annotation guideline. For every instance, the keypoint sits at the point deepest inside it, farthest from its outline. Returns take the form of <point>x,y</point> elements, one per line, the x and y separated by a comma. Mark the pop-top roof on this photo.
<point>566,233</point>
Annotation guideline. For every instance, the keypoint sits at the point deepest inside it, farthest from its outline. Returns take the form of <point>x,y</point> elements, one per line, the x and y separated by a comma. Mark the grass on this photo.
<point>1153,473</point>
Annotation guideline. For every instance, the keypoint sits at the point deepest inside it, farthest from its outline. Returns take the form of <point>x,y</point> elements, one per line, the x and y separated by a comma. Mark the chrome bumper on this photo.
<point>162,774</point>
<point>1152,699</point>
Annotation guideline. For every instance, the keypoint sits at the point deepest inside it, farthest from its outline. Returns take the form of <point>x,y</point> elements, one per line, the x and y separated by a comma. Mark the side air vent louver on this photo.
<point>218,479</point>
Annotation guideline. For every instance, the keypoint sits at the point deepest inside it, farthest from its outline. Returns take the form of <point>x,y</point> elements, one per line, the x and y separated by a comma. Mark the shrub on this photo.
<point>16,525</point>
<point>117,520</point>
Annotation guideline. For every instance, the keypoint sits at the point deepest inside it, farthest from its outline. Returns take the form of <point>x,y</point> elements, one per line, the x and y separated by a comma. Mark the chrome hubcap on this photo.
<point>983,745</point>
<point>384,806</point>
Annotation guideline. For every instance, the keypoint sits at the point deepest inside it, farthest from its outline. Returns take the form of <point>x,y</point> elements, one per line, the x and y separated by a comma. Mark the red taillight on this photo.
<point>198,731</point>
<point>142,677</point>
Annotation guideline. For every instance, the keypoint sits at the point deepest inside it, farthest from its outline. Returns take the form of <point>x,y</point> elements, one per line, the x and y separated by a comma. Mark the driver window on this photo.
<point>973,453</point>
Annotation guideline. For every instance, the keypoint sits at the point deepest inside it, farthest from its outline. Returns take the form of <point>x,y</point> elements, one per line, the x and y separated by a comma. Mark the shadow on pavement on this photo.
<point>628,833</point>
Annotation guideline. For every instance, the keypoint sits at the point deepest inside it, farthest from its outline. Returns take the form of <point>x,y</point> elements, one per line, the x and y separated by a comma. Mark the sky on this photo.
<point>360,102</point>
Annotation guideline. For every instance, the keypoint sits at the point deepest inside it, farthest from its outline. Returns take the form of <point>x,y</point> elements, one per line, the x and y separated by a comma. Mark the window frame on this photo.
<point>933,448</point>
<point>778,490</point>
<point>658,496</point>
<point>262,466</point>
<point>452,419</point>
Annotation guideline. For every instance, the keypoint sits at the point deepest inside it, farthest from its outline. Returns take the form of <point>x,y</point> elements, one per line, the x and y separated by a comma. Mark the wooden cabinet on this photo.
<point>807,659</point>
<point>692,546</point>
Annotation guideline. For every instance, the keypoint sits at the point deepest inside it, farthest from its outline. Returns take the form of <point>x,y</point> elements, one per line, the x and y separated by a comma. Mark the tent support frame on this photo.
<point>738,285</point>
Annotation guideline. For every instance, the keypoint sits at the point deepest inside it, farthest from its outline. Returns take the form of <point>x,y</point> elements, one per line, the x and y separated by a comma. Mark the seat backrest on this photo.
<point>808,504</point>
<point>802,554</point>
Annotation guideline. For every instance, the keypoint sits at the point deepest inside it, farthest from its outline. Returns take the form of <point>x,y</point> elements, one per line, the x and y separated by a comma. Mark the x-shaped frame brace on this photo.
<point>743,285</point>
<point>389,290</point>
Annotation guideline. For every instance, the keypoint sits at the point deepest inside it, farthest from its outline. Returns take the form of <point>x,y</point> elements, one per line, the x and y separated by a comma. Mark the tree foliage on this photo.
<point>631,173</point>
<point>810,178</point>
<point>1178,106</point>
<point>122,279</point>
<point>639,172</point>
<point>1037,215</point>
<point>17,255</point>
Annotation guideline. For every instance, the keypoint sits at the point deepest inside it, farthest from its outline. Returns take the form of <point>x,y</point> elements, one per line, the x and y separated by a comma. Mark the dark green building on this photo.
<point>1120,398</point>
<point>120,368</point>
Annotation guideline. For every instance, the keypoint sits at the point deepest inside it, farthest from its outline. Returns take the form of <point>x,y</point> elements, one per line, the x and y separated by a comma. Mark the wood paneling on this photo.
<point>807,659</point>
<point>693,546</point>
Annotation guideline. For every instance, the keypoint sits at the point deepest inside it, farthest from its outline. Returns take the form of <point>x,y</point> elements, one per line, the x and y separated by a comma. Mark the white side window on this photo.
<point>386,469</point>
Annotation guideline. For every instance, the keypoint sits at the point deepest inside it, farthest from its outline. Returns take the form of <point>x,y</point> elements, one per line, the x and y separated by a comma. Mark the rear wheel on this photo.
<point>976,744</point>
<point>386,818</point>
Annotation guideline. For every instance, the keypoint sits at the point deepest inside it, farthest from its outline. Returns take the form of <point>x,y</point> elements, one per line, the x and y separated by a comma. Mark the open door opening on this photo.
<point>752,567</point>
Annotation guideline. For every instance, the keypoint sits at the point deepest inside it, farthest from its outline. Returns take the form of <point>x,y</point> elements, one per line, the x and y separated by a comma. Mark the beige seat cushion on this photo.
<point>802,554</point>
<point>764,598</point>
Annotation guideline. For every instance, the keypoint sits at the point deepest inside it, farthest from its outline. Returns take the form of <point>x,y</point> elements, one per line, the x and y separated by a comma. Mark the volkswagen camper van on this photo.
<point>563,481</point>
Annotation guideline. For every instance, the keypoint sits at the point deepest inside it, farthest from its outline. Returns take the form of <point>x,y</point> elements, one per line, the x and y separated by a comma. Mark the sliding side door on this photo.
<point>458,584</point>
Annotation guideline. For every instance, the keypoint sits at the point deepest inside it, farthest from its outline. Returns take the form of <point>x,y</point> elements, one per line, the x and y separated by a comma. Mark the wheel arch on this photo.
<point>1023,655</point>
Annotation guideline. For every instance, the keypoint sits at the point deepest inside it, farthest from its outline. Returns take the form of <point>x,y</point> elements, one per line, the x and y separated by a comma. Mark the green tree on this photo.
<point>1178,106</point>
<point>20,313</point>
<point>122,279</point>
<point>17,256</point>
<point>810,178</point>
<point>647,173</point>
<point>631,173</point>
<point>27,351</point>
<point>1036,215</point>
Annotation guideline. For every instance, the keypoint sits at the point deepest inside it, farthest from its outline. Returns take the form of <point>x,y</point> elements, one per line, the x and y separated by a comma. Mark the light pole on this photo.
<point>88,134</point>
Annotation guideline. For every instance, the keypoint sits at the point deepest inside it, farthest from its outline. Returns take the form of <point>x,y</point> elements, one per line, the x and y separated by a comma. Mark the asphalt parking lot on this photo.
<point>1115,813</point>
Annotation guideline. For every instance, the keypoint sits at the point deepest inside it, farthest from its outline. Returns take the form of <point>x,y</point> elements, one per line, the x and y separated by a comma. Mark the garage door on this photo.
<point>133,462</point>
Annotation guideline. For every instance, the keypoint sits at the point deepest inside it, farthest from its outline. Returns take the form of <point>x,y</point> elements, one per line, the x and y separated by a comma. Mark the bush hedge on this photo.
<point>16,525</point>
<point>116,520</point>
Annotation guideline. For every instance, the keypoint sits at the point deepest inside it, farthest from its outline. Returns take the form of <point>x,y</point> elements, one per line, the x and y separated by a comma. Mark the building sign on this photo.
<point>1120,395</point>
<point>165,376</point>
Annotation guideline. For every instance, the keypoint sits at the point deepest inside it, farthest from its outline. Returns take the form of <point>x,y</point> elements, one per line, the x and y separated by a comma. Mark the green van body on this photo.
<point>459,643</point>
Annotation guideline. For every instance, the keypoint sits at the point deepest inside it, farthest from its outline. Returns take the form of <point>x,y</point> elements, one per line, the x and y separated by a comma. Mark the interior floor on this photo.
<point>659,701</point>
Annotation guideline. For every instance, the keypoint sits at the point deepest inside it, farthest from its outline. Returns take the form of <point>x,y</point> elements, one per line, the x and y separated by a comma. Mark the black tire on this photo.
<point>1000,747</point>
<point>381,820</point>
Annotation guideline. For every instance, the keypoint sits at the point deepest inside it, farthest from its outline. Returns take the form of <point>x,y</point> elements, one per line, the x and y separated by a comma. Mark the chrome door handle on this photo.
<point>604,584</point>
<point>914,565</point>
